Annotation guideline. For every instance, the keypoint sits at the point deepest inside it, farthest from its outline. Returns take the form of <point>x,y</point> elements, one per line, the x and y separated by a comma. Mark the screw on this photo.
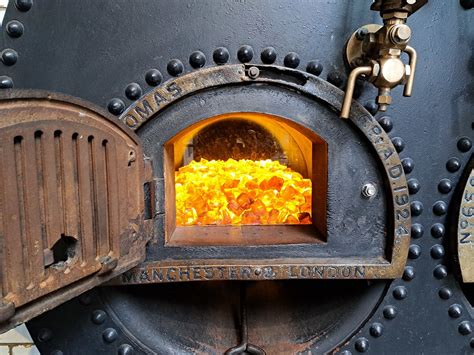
<point>369,190</point>
<point>254,72</point>
<point>361,33</point>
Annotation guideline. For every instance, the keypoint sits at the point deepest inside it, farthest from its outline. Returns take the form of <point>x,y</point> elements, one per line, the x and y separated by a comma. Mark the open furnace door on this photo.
<point>72,202</point>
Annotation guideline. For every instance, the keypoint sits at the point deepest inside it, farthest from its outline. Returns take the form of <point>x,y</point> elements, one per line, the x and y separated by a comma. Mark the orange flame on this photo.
<point>220,192</point>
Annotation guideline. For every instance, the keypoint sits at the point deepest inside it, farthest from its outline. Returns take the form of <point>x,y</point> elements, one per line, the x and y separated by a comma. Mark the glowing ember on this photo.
<point>241,192</point>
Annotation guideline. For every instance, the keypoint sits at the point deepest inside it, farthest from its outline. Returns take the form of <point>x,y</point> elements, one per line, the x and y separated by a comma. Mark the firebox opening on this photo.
<point>245,179</point>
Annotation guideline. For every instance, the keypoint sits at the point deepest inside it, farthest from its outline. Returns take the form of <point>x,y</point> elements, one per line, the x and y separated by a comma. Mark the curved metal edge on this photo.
<point>33,94</point>
<point>150,104</point>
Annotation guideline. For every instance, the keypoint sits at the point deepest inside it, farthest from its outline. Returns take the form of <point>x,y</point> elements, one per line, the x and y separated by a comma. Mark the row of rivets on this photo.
<point>14,29</point>
<point>440,208</point>
<point>197,59</point>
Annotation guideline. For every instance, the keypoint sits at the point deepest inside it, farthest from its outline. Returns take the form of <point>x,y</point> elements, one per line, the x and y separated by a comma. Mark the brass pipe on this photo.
<point>412,56</point>
<point>346,105</point>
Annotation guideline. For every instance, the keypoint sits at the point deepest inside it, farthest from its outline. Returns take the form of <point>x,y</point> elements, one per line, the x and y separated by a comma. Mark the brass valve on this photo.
<point>374,53</point>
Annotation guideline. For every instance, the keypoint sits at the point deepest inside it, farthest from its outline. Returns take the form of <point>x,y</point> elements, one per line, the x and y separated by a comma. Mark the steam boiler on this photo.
<point>238,176</point>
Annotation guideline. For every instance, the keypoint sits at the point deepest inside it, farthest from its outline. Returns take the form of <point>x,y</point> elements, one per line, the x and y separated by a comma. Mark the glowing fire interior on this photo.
<point>242,191</point>
<point>242,169</point>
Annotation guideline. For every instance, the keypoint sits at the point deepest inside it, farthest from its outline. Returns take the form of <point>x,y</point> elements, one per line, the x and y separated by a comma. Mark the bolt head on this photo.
<point>369,190</point>
<point>402,33</point>
<point>254,72</point>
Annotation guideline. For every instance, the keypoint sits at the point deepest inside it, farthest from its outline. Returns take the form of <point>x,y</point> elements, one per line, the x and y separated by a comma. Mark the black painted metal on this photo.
<point>96,50</point>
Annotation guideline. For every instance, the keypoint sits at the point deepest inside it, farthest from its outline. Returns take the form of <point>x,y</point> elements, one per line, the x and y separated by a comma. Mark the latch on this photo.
<point>374,53</point>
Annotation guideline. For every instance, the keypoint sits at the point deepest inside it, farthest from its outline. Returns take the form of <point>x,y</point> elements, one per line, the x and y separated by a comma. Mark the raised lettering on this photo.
<point>157,274</point>
<point>174,89</point>
<point>158,98</point>
<point>395,171</point>
<point>346,271</point>
<point>196,273</point>
<point>145,111</point>
<point>171,274</point>
<point>402,214</point>
<point>401,200</point>
<point>245,272</point>
<point>464,238</point>
<point>360,272</point>
<point>184,272</point>
<point>130,121</point>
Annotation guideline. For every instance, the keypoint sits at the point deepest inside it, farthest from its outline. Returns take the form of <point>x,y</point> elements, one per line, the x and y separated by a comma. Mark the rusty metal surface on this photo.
<point>71,206</point>
<point>465,229</point>
<point>386,266</point>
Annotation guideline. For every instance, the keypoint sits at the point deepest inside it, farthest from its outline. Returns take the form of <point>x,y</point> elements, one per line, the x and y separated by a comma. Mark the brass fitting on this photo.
<point>374,52</point>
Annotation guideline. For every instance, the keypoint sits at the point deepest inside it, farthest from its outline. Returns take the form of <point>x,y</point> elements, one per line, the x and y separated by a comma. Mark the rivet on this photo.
<point>445,186</point>
<point>400,293</point>
<point>416,208</point>
<point>23,5</point>
<point>372,107</point>
<point>437,230</point>
<point>258,271</point>
<point>445,293</point>
<point>116,106</point>
<point>389,312</point>
<point>408,165</point>
<point>153,77</point>
<point>9,56</point>
<point>455,311</point>
<point>414,251</point>
<point>133,91</point>
<point>464,144</point>
<point>125,349</point>
<point>399,144</point>
<point>417,231</point>
<point>197,59</point>
<point>314,67</point>
<point>385,121</point>
<point>15,28</point>
<point>408,273</point>
<point>453,165</point>
<point>345,352</point>
<point>361,33</point>
<point>6,82</point>
<point>335,78</point>
<point>440,208</point>
<point>98,316</point>
<point>368,190</point>
<point>362,345</point>
<point>413,186</point>
<point>471,343</point>
<point>45,335</point>
<point>437,251</point>
<point>465,327</point>
<point>467,5</point>
<point>268,55</point>
<point>109,335</point>
<point>85,299</point>
<point>376,330</point>
<point>440,272</point>
<point>245,54</point>
<point>175,67</point>
<point>292,60</point>
<point>220,55</point>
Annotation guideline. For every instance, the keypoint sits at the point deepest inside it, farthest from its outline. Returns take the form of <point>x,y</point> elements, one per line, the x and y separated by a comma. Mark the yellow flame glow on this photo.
<point>216,192</point>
